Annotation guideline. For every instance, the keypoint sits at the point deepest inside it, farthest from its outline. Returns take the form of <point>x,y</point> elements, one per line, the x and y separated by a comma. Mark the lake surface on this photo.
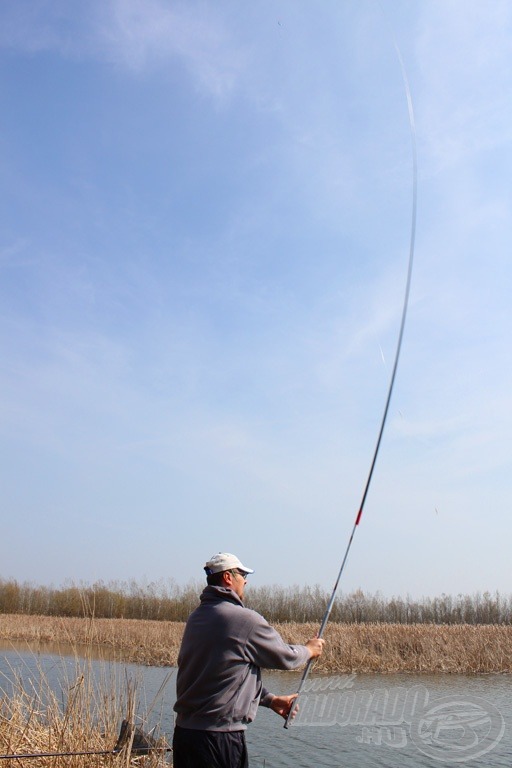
<point>365,721</point>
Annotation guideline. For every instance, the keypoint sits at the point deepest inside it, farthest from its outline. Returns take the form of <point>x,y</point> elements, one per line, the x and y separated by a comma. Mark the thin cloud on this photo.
<point>142,35</point>
<point>138,36</point>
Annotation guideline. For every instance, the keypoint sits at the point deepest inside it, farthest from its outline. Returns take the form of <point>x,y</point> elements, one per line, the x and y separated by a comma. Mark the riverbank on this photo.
<point>75,723</point>
<point>361,648</point>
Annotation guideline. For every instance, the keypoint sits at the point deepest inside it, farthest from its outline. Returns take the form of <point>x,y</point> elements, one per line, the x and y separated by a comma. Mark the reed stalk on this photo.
<point>79,714</point>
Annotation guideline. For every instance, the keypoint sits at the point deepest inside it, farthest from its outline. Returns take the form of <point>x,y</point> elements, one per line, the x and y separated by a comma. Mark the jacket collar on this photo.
<point>216,594</point>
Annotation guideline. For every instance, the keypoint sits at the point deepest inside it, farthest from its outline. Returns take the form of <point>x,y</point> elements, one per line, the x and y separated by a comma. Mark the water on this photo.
<point>392,721</point>
<point>389,721</point>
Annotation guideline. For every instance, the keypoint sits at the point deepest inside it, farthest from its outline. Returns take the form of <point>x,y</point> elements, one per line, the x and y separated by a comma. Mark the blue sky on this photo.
<point>205,223</point>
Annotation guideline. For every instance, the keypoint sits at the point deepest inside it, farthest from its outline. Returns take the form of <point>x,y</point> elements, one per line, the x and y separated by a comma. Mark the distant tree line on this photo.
<point>309,604</point>
<point>115,600</point>
<point>171,602</point>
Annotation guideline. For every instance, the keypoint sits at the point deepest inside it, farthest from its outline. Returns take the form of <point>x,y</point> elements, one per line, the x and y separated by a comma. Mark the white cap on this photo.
<point>224,561</point>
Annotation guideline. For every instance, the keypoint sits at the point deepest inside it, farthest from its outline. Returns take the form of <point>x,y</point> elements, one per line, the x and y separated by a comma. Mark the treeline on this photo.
<point>172,602</point>
<point>115,600</point>
<point>304,604</point>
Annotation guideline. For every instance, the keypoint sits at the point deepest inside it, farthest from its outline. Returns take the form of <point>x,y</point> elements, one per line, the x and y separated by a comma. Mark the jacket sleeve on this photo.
<point>266,648</point>
<point>266,698</point>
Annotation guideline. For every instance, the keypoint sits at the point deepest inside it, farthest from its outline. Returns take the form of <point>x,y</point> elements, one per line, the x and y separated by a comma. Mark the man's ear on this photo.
<point>227,579</point>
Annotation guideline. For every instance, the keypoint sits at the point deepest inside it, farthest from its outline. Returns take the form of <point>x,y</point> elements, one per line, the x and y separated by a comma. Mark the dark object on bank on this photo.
<point>142,743</point>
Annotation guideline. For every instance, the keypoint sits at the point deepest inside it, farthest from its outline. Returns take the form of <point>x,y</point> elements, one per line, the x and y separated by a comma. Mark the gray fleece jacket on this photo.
<point>223,648</point>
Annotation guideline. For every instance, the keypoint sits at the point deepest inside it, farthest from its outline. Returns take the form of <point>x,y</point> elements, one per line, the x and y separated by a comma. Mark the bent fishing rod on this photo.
<point>330,604</point>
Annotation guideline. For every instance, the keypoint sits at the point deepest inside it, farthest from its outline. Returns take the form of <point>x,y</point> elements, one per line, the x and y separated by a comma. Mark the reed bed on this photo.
<point>81,715</point>
<point>154,643</point>
<point>416,648</point>
<point>363,648</point>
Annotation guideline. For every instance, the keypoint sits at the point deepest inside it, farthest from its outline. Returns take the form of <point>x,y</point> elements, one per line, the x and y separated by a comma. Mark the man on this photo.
<point>219,685</point>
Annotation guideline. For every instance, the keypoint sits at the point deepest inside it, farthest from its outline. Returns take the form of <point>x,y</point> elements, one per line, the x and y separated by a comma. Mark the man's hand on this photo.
<point>315,646</point>
<point>283,704</point>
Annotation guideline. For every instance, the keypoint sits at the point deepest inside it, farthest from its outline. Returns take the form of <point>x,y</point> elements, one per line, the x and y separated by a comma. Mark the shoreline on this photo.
<point>350,648</point>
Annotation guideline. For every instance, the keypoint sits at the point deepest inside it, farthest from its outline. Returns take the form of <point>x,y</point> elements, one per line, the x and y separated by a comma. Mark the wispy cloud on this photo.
<point>137,35</point>
<point>149,34</point>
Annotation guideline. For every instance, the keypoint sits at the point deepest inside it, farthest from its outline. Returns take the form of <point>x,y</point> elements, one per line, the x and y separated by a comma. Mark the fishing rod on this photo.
<point>330,604</point>
<point>34,755</point>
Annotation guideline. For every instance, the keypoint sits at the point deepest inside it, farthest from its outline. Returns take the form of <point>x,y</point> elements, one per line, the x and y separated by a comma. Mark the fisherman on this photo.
<point>219,685</point>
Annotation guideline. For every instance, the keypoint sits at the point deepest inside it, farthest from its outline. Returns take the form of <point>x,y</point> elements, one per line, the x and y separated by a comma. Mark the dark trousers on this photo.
<point>209,749</point>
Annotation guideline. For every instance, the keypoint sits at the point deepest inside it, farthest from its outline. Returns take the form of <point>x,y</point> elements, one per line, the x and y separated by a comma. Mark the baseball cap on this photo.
<point>224,561</point>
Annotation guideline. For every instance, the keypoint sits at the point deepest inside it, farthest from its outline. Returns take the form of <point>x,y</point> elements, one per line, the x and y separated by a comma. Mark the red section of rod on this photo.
<point>359,514</point>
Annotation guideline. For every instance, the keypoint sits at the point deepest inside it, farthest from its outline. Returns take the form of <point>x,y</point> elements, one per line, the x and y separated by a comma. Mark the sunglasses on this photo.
<point>240,573</point>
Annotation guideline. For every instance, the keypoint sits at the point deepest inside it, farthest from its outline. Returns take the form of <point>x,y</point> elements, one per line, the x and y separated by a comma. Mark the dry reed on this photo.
<point>81,714</point>
<point>154,643</point>
<point>416,648</point>
<point>380,648</point>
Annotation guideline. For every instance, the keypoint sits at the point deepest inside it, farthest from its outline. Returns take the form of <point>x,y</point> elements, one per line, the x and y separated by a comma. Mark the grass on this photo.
<point>363,648</point>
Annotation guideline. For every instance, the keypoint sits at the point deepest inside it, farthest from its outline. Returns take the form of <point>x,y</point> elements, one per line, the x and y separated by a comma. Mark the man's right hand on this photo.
<point>315,646</point>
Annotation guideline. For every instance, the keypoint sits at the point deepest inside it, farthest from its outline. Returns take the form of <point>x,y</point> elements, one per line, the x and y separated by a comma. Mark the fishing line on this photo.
<point>393,374</point>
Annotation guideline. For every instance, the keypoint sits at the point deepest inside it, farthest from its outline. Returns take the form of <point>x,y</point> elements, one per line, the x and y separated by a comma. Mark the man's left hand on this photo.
<point>282,705</point>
